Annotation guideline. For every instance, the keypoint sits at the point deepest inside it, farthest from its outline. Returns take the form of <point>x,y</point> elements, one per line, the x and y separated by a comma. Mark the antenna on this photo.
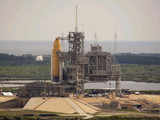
<point>96,39</point>
<point>76,22</point>
<point>51,58</point>
<point>115,48</point>
<point>115,43</point>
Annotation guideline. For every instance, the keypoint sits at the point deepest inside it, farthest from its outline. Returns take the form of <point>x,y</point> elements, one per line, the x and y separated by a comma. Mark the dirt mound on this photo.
<point>14,103</point>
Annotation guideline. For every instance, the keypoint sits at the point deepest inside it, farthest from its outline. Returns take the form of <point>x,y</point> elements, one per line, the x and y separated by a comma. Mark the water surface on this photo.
<point>124,85</point>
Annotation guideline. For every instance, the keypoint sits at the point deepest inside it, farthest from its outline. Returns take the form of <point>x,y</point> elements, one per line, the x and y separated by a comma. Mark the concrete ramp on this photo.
<point>53,104</point>
<point>78,109</point>
<point>33,103</point>
<point>85,107</point>
<point>60,105</point>
<point>57,105</point>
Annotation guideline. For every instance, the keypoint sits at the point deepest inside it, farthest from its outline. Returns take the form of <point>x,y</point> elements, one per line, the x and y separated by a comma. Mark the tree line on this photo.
<point>142,59</point>
<point>127,58</point>
<point>6,59</point>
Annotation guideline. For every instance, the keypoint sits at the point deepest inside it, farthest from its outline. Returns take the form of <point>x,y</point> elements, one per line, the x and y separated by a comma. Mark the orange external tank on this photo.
<point>55,66</point>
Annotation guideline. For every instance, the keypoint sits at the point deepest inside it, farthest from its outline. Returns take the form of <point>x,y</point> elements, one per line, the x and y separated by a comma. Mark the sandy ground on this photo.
<point>61,105</point>
<point>49,104</point>
<point>5,99</point>
<point>33,103</point>
<point>84,107</point>
<point>131,99</point>
<point>58,104</point>
<point>151,98</point>
<point>92,100</point>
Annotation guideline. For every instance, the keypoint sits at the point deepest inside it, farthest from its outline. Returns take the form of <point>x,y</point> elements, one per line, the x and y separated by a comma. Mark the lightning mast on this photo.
<point>76,22</point>
<point>75,42</point>
<point>116,67</point>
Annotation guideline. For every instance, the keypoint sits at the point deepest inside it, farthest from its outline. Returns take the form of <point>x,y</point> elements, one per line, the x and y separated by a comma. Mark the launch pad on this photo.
<point>73,67</point>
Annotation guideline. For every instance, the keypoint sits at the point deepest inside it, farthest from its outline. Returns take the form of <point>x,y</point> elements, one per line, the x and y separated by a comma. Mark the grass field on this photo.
<point>25,71</point>
<point>139,73</point>
<point>123,117</point>
<point>130,72</point>
<point>41,115</point>
<point>35,115</point>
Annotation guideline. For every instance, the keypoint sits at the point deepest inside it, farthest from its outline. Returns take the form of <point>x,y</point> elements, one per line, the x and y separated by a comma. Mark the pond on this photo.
<point>124,84</point>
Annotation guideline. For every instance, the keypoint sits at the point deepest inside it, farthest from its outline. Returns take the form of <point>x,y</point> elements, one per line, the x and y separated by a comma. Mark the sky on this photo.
<point>40,20</point>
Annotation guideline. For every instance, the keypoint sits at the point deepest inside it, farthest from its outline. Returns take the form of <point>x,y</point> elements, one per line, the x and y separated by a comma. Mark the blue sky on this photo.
<point>33,20</point>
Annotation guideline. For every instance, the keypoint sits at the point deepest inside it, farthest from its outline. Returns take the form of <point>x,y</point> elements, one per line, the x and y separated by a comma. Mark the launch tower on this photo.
<point>72,68</point>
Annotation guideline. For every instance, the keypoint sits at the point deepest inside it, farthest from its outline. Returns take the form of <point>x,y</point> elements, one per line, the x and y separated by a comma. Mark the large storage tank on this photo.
<point>55,65</point>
